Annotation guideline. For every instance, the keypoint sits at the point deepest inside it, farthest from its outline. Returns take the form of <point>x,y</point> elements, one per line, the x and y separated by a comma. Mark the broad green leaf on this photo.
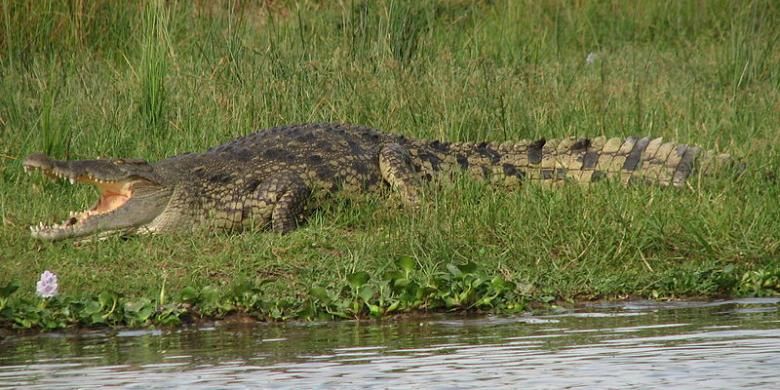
<point>209,295</point>
<point>392,276</point>
<point>499,284</point>
<point>189,294</point>
<point>141,305</point>
<point>9,289</point>
<point>92,307</point>
<point>393,307</point>
<point>107,299</point>
<point>454,270</point>
<point>145,313</point>
<point>366,293</point>
<point>468,268</point>
<point>374,310</point>
<point>358,279</point>
<point>407,263</point>
<point>321,294</point>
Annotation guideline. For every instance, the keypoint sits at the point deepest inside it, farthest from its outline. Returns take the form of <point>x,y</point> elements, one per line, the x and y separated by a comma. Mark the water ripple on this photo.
<point>701,345</point>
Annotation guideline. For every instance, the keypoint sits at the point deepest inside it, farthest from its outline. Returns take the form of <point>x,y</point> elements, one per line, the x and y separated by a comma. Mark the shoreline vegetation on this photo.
<point>153,79</point>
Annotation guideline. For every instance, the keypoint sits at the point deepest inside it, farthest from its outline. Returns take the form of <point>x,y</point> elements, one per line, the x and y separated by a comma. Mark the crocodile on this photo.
<point>267,178</point>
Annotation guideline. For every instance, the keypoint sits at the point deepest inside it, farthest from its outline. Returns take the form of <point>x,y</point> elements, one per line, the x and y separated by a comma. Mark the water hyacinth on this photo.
<point>47,285</point>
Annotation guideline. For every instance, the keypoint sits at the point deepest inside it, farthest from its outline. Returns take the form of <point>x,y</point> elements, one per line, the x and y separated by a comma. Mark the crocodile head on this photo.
<point>132,196</point>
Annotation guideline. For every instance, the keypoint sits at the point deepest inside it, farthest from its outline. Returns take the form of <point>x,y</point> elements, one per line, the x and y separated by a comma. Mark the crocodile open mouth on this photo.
<point>113,195</point>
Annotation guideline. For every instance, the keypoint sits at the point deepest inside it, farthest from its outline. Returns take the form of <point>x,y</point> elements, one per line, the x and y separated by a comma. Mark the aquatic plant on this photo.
<point>403,288</point>
<point>47,285</point>
<point>461,287</point>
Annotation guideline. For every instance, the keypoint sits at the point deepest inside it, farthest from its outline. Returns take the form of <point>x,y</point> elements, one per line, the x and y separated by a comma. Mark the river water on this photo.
<point>644,345</point>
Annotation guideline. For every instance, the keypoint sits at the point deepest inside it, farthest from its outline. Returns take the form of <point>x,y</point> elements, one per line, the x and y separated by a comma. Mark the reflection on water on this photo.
<point>727,344</point>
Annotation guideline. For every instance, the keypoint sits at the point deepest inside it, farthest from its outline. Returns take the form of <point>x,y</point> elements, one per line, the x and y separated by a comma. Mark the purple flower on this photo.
<point>47,285</point>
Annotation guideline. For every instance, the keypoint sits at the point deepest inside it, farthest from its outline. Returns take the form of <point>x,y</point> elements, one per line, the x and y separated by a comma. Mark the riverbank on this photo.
<point>144,81</point>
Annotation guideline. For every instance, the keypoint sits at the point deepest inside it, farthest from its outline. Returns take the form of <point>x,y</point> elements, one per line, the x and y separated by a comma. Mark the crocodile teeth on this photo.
<point>57,226</point>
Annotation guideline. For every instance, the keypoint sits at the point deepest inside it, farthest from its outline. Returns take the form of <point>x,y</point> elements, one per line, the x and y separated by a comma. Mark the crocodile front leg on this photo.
<point>276,203</point>
<point>289,207</point>
<point>395,165</point>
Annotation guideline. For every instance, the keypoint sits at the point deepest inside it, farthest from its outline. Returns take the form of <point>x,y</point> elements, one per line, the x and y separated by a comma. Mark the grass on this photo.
<point>154,79</point>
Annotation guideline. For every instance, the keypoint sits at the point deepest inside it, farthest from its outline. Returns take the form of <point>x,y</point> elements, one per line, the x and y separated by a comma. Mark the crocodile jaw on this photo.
<point>124,206</point>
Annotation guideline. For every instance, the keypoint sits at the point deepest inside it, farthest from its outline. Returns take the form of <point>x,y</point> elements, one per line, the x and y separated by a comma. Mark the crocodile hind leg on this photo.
<point>396,168</point>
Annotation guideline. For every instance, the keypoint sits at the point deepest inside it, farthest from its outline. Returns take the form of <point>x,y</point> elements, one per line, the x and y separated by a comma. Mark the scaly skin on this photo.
<point>266,178</point>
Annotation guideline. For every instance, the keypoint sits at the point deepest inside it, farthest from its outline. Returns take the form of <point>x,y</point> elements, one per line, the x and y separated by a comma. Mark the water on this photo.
<point>718,345</point>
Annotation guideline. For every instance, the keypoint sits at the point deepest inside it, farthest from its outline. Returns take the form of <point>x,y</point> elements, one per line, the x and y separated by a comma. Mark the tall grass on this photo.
<point>65,28</point>
<point>153,79</point>
<point>154,65</point>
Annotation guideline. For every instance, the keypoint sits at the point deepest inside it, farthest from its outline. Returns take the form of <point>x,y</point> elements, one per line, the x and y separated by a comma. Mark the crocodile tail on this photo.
<point>583,160</point>
<point>630,159</point>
